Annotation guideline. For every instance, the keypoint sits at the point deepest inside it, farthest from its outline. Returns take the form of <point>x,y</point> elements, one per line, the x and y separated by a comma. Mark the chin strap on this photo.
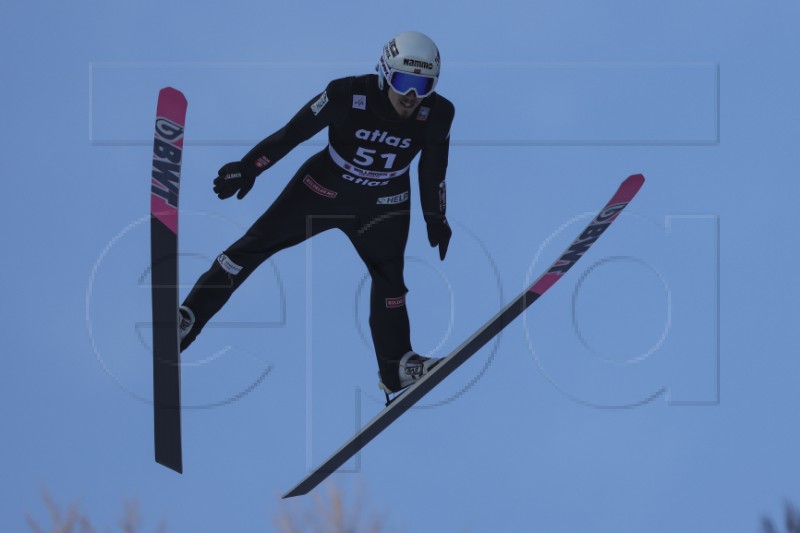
<point>380,77</point>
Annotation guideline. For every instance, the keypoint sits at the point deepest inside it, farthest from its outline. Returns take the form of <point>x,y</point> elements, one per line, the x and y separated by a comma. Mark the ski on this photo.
<point>414,393</point>
<point>167,151</point>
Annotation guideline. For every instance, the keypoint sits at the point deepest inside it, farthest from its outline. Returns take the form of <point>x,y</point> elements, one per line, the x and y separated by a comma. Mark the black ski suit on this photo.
<point>359,184</point>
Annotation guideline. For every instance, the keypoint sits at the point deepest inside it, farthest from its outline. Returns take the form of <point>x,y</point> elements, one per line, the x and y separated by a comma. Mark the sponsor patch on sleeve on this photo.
<point>391,200</point>
<point>312,184</point>
<point>393,303</point>
<point>423,113</point>
<point>228,266</point>
<point>321,102</point>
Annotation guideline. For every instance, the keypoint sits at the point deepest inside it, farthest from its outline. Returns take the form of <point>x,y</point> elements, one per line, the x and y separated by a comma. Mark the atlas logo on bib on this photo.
<point>365,181</point>
<point>382,137</point>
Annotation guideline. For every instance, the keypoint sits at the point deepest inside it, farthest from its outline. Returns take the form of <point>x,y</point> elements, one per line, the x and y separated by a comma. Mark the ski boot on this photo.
<point>411,368</point>
<point>185,322</point>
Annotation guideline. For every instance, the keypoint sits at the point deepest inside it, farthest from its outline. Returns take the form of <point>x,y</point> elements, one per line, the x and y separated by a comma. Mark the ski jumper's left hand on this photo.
<point>432,169</point>
<point>439,234</point>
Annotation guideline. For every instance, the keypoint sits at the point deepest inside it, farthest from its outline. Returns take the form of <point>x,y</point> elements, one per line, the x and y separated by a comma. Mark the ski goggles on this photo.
<point>404,82</point>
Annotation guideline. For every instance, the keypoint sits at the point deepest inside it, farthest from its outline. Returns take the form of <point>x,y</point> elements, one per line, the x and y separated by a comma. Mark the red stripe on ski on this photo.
<point>544,282</point>
<point>172,106</point>
<point>167,153</point>
<point>627,190</point>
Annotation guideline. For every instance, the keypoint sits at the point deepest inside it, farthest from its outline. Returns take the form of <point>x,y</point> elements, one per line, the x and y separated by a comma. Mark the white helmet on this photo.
<point>410,62</point>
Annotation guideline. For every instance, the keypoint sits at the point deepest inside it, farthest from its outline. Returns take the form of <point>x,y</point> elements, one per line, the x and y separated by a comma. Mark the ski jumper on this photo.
<point>359,183</point>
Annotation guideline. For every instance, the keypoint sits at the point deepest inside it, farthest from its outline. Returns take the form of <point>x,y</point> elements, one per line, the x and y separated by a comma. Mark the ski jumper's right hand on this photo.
<point>233,178</point>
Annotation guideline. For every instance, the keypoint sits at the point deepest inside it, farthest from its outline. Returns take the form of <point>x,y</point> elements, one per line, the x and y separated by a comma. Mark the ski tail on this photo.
<point>164,188</point>
<point>480,338</point>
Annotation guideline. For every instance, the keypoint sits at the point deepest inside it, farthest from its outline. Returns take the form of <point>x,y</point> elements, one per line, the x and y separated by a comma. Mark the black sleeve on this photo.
<point>433,162</point>
<point>324,109</point>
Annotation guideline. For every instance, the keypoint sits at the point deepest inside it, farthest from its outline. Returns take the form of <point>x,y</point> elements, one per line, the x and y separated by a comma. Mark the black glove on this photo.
<point>439,234</point>
<point>233,178</point>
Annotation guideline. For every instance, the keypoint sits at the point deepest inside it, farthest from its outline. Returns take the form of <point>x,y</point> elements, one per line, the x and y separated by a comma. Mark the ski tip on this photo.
<point>631,185</point>
<point>171,92</point>
<point>628,189</point>
<point>634,180</point>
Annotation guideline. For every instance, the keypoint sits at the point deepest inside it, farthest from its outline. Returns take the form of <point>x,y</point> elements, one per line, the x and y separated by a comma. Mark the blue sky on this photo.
<point>653,389</point>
